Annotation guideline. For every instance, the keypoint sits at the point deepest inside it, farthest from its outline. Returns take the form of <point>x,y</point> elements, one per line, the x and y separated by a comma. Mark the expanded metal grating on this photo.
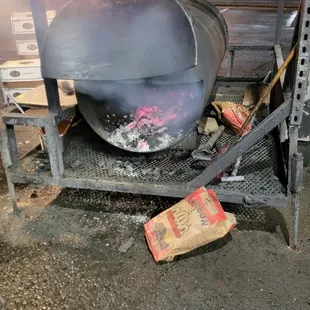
<point>97,160</point>
<point>88,157</point>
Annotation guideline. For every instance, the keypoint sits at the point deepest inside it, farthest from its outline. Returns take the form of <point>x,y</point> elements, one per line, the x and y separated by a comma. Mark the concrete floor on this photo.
<point>256,27</point>
<point>61,252</point>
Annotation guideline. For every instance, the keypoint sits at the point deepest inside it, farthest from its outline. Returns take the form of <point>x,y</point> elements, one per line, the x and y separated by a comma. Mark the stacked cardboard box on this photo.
<point>24,32</point>
<point>19,76</point>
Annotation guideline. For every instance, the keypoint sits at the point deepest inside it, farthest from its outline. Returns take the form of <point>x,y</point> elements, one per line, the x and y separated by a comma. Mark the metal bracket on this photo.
<point>302,68</point>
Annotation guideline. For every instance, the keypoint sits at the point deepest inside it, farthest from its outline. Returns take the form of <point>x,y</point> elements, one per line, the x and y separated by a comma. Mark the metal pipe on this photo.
<point>279,25</point>
<point>40,23</point>
<point>295,188</point>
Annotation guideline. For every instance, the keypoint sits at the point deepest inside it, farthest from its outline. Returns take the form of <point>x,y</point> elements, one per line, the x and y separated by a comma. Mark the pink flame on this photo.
<point>154,115</point>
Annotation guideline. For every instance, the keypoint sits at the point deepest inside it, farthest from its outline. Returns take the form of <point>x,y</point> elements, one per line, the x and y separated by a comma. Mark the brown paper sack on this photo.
<point>252,95</point>
<point>232,114</point>
<point>193,222</point>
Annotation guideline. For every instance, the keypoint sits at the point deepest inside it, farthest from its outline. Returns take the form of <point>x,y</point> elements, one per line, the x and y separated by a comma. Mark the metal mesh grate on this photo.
<point>259,166</point>
<point>90,158</point>
<point>85,160</point>
<point>165,167</point>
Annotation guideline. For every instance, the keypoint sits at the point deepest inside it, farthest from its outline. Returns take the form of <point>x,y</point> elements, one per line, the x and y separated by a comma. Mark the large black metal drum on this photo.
<point>143,70</point>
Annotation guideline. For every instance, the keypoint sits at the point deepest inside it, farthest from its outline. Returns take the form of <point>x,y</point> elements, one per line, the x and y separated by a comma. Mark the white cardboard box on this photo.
<point>22,22</point>
<point>27,47</point>
<point>21,70</point>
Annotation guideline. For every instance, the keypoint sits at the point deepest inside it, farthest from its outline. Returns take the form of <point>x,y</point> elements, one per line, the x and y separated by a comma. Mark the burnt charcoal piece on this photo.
<point>180,156</point>
<point>34,195</point>
<point>76,164</point>
<point>198,165</point>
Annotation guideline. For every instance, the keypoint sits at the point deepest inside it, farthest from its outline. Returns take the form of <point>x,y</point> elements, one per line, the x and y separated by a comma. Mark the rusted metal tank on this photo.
<point>143,69</point>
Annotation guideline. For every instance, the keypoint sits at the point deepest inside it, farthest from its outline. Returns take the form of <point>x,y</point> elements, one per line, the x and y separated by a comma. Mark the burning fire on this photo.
<point>152,116</point>
<point>159,121</point>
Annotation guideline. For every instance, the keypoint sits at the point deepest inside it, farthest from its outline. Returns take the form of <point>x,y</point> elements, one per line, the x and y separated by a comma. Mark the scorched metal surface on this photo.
<point>109,40</point>
<point>142,116</point>
<point>143,70</point>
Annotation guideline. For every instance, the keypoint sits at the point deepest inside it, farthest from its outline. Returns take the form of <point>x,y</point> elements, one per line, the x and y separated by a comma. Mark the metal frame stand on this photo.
<point>290,110</point>
<point>295,165</point>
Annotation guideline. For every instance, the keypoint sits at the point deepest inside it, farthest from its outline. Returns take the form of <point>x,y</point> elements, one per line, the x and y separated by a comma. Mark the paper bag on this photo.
<point>193,222</point>
<point>252,95</point>
<point>232,114</point>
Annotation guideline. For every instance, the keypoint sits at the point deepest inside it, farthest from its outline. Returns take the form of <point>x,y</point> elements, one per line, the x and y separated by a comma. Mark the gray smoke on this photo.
<point>175,100</point>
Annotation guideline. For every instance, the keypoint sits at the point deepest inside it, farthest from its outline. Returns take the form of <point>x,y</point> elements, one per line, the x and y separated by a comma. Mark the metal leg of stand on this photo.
<point>9,157</point>
<point>231,55</point>
<point>296,187</point>
<point>298,83</point>
<point>54,149</point>
<point>12,193</point>
<point>10,139</point>
<point>294,221</point>
<point>279,25</point>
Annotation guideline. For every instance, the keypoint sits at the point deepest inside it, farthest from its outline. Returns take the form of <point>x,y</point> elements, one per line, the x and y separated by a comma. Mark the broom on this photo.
<point>255,110</point>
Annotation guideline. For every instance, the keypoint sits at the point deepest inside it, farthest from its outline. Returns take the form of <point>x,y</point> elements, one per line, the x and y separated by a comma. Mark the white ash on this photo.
<point>137,218</point>
<point>133,136</point>
<point>128,169</point>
